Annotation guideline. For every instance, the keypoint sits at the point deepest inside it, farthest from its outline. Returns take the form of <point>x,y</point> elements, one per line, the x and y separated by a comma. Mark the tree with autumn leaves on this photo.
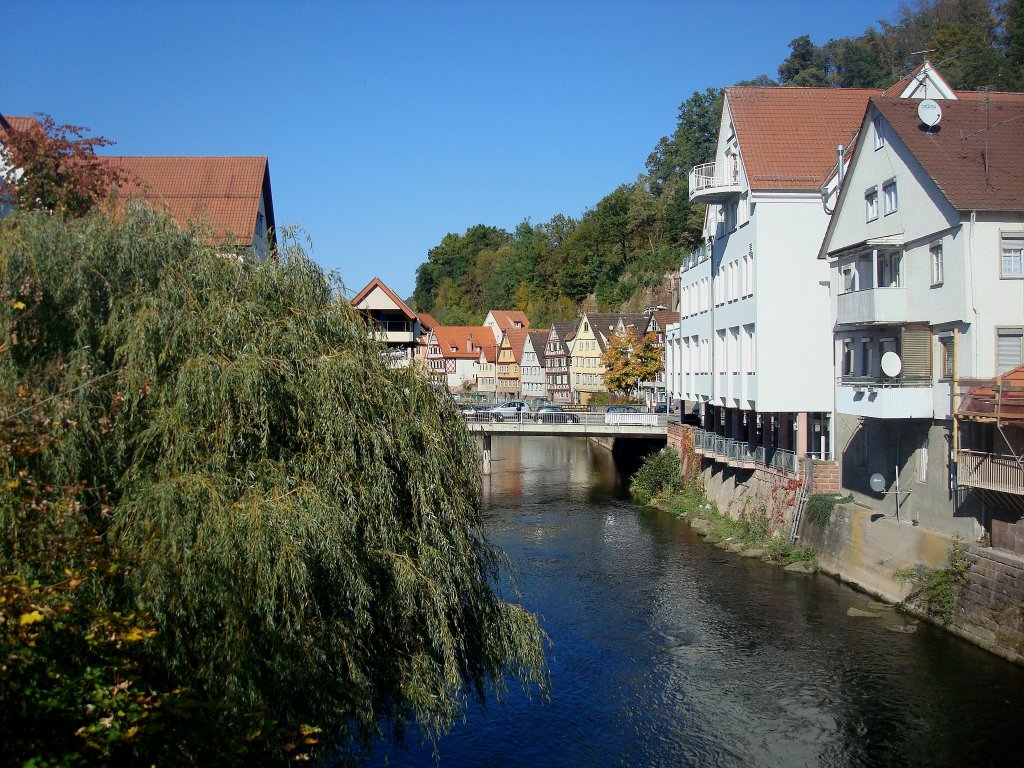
<point>50,167</point>
<point>630,360</point>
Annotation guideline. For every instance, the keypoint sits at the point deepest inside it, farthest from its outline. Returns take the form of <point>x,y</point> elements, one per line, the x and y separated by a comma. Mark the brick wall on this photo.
<point>825,477</point>
<point>675,435</point>
<point>990,611</point>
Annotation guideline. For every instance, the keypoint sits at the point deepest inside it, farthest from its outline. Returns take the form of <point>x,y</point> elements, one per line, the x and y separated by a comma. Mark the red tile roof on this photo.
<point>17,123</point>
<point>788,136</point>
<point>1004,399</point>
<point>507,318</point>
<point>516,341</point>
<point>973,155</point>
<point>467,340</point>
<point>224,191</point>
<point>378,284</point>
<point>428,322</point>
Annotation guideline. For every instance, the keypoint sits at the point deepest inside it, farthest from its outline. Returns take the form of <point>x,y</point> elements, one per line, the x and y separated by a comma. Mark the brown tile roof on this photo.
<point>665,317</point>
<point>428,322</point>
<point>17,123</point>
<point>378,284</point>
<point>788,136</point>
<point>507,318</point>
<point>954,153</point>
<point>225,191</point>
<point>466,339</point>
<point>517,340</point>
<point>490,353</point>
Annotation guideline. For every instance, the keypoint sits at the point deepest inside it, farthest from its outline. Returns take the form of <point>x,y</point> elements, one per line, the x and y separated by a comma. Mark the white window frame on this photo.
<point>876,124</point>
<point>890,197</point>
<point>935,256</point>
<point>871,203</point>
<point>1011,253</point>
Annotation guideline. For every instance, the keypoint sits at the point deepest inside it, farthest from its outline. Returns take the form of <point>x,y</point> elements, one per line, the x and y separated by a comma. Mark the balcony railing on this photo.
<point>901,397</point>
<point>696,257</point>
<point>875,305</point>
<point>714,183</point>
<point>739,453</point>
<point>994,472</point>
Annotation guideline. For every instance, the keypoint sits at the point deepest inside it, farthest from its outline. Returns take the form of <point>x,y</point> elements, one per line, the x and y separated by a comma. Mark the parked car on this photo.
<point>622,409</point>
<point>509,409</point>
<point>474,412</point>
<point>660,408</point>
<point>555,414</point>
<point>693,419</point>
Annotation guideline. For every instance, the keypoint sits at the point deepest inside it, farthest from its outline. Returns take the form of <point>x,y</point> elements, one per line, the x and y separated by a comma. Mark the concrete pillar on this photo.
<point>487,453</point>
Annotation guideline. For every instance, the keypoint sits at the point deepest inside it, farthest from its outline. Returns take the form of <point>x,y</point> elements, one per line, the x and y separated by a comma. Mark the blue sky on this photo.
<point>388,125</point>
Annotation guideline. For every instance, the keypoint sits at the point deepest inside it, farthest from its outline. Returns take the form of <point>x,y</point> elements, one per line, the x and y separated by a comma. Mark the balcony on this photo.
<point>993,472</point>
<point>714,183</point>
<point>898,398</point>
<point>883,306</point>
<point>397,332</point>
<point>695,257</point>
<point>739,453</point>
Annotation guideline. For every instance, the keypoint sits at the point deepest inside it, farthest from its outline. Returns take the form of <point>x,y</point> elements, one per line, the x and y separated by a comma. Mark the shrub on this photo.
<point>657,476</point>
<point>937,591</point>
<point>821,505</point>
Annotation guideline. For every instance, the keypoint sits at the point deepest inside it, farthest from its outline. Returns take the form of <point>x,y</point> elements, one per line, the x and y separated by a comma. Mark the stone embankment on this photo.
<point>866,549</point>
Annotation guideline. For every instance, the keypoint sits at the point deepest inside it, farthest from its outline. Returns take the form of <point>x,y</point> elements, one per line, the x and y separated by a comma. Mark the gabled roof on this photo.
<point>17,123</point>
<point>665,317</point>
<point>1003,399</point>
<point>489,353</point>
<point>427,322</point>
<point>788,136</point>
<point>516,341</point>
<point>225,191</point>
<point>603,324</point>
<point>973,155</point>
<point>539,339</point>
<point>378,285</point>
<point>509,318</point>
<point>638,321</point>
<point>462,341</point>
<point>924,82</point>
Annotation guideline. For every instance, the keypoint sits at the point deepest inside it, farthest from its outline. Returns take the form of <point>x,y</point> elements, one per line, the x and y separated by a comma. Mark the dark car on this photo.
<point>555,414</point>
<point>660,408</point>
<point>693,419</point>
<point>622,409</point>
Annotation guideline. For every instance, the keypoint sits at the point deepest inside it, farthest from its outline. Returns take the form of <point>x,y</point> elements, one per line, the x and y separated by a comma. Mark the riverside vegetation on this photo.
<point>660,481</point>
<point>229,532</point>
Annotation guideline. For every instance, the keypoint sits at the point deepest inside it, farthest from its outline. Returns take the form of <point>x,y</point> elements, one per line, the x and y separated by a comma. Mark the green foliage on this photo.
<point>658,475</point>
<point>276,544</point>
<point>820,506</point>
<point>936,591</point>
<point>629,360</point>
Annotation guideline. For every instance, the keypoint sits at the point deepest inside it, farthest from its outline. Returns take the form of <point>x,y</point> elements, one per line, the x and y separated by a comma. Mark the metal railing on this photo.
<point>696,257</point>
<point>742,452</point>
<point>903,380</point>
<point>568,417</point>
<point>996,472</point>
<point>711,175</point>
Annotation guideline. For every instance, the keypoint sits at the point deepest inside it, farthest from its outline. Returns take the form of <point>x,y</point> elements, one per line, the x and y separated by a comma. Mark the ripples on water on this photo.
<point>669,652</point>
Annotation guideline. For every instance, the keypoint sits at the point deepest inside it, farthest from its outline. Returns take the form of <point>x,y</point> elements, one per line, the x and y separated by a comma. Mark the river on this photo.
<point>666,651</point>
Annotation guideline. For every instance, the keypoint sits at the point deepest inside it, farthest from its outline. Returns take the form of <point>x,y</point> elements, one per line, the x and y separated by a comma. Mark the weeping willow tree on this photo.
<point>299,523</point>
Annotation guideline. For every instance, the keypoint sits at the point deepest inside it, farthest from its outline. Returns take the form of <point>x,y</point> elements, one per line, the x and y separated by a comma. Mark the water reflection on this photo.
<point>669,652</point>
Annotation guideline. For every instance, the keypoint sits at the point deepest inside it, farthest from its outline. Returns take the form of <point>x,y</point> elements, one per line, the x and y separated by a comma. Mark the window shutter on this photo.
<point>917,352</point>
<point>1008,349</point>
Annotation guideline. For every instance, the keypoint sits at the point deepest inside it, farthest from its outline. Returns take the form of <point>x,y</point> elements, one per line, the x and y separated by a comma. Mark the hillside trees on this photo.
<point>258,543</point>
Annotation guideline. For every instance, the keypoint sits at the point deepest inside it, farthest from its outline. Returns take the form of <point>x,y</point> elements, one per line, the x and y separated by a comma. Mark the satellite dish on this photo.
<point>930,112</point>
<point>891,364</point>
<point>877,483</point>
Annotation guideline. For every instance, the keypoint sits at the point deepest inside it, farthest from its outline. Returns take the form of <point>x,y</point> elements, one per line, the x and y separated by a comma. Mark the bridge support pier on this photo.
<point>487,453</point>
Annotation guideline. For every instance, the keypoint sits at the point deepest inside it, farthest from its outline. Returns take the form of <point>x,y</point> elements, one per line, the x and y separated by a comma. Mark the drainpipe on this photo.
<point>974,300</point>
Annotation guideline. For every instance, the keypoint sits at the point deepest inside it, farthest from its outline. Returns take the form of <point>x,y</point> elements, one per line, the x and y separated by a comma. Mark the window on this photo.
<point>890,200</point>
<point>867,354</point>
<point>744,210</point>
<point>889,265</point>
<point>878,131</point>
<point>847,362</point>
<point>946,357</point>
<point>1012,244</point>
<point>849,278</point>
<point>871,204</point>
<point>935,250</point>
<point>1009,342</point>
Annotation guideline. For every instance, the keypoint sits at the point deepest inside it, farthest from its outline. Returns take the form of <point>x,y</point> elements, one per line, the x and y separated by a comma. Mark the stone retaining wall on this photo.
<point>990,611</point>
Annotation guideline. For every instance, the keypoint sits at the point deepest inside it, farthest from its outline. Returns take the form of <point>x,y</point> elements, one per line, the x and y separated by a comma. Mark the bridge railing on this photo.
<point>739,451</point>
<point>568,418</point>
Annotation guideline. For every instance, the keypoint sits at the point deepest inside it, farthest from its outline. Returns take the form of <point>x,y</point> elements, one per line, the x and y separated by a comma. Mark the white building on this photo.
<point>925,248</point>
<point>532,368</point>
<point>753,343</point>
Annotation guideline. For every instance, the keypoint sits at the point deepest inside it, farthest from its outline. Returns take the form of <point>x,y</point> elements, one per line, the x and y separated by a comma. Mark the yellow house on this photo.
<point>486,382</point>
<point>510,356</point>
<point>586,366</point>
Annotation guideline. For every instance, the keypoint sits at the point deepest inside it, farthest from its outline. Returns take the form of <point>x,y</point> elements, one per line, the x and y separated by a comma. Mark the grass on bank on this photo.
<point>660,480</point>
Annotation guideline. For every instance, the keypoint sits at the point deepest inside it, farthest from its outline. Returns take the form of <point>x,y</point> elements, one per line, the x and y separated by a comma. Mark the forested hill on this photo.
<point>616,255</point>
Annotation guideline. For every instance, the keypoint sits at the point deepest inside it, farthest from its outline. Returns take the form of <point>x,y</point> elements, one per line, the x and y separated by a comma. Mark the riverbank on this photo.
<point>976,593</point>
